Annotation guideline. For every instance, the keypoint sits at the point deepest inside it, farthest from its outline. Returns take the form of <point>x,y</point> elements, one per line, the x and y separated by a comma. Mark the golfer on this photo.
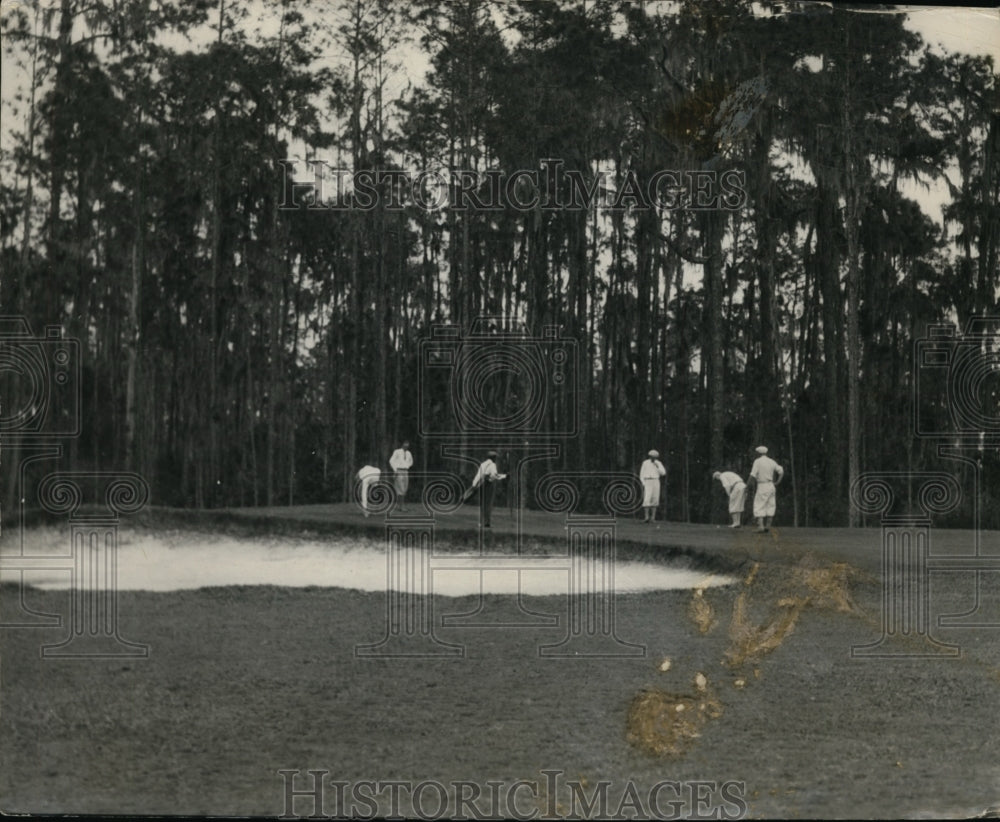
<point>368,474</point>
<point>736,490</point>
<point>401,462</point>
<point>767,474</point>
<point>484,479</point>
<point>649,474</point>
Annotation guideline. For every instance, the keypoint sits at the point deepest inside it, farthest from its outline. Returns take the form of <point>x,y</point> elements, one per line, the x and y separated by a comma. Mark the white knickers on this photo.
<point>764,500</point>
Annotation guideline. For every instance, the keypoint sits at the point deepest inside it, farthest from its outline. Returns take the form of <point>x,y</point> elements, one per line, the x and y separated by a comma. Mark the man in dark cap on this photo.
<point>401,462</point>
<point>485,477</point>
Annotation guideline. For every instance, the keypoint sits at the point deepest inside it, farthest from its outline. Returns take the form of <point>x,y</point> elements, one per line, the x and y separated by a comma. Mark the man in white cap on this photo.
<point>767,474</point>
<point>650,472</point>
<point>736,490</point>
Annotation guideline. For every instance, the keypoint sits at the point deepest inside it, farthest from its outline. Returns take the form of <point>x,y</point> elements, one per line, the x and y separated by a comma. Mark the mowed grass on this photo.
<point>242,682</point>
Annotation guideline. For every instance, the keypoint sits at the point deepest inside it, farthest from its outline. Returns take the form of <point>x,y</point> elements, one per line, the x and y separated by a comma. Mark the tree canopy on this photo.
<point>746,249</point>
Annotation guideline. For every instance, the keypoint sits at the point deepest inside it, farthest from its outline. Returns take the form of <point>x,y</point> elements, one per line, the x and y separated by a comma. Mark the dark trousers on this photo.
<point>486,504</point>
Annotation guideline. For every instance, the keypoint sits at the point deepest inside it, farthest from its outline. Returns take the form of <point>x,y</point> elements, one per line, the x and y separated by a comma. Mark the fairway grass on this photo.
<point>242,682</point>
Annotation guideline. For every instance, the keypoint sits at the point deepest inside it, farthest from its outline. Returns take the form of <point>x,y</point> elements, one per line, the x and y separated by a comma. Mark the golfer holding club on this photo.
<point>485,477</point>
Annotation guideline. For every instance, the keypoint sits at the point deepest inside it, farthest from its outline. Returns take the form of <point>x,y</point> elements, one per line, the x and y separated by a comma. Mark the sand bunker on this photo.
<point>182,561</point>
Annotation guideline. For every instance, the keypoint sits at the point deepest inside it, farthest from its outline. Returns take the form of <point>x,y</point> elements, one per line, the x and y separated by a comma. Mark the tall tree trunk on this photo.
<point>643,413</point>
<point>854,196</point>
<point>827,261</point>
<point>57,139</point>
<point>22,300</point>
<point>989,216</point>
<point>713,230</point>
<point>132,334</point>
<point>382,288</point>
<point>353,347</point>
<point>213,332</point>
<point>767,386</point>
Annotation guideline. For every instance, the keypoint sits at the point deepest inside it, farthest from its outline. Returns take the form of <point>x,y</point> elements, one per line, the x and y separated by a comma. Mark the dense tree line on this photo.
<point>245,346</point>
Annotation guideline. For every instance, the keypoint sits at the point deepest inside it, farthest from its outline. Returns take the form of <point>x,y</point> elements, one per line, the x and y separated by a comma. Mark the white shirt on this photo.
<point>652,469</point>
<point>729,480</point>
<point>487,470</point>
<point>766,469</point>
<point>401,460</point>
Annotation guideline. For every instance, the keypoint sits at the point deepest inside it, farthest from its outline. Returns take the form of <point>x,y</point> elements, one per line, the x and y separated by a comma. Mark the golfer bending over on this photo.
<point>736,490</point>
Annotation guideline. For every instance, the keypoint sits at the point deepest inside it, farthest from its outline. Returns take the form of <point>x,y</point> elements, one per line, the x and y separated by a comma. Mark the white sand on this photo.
<point>184,560</point>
